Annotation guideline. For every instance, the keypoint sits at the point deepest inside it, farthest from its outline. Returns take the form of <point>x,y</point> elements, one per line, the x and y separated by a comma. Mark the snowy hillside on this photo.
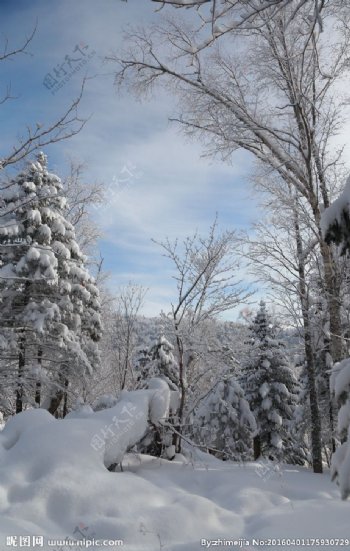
<point>54,484</point>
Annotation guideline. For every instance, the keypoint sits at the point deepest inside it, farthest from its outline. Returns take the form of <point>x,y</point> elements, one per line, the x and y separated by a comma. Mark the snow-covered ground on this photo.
<point>54,483</point>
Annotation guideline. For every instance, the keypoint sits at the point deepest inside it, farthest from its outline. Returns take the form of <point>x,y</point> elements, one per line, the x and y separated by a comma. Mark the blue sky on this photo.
<point>168,189</point>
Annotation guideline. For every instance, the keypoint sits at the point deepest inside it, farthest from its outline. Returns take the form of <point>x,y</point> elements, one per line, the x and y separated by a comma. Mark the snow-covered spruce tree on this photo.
<point>223,421</point>
<point>142,361</point>
<point>159,440</point>
<point>271,390</point>
<point>162,363</point>
<point>49,302</point>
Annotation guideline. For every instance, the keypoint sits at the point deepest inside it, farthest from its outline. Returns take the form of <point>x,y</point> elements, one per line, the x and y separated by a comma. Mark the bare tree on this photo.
<point>205,275</point>
<point>120,335</point>
<point>270,92</point>
<point>82,196</point>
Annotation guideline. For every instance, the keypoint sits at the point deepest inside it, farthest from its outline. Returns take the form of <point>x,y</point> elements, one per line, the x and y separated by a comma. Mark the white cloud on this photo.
<point>171,191</point>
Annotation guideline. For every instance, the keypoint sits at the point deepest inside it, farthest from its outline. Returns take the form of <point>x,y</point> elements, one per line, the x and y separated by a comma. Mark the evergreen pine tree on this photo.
<point>271,390</point>
<point>49,302</point>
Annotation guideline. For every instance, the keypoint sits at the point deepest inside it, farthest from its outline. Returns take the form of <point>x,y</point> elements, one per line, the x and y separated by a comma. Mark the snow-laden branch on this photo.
<point>220,18</point>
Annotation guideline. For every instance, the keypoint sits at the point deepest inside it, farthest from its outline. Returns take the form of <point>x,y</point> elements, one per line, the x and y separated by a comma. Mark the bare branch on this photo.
<point>7,54</point>
<point>68,125</point>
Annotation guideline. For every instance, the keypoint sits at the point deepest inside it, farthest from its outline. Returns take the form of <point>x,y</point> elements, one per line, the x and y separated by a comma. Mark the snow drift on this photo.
<point>54,483</point>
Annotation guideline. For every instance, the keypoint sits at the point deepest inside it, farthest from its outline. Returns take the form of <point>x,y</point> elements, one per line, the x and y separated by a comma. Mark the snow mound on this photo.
<point>54,483</point>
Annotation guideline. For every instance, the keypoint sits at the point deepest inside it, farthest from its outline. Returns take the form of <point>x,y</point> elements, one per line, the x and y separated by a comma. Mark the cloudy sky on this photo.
<point>158,184</point>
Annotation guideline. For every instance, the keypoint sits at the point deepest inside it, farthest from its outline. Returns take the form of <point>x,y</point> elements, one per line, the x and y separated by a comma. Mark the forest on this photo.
<point>194,391</point>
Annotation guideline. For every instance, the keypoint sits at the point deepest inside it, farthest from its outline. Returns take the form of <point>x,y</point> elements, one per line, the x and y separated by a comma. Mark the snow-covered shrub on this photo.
<point>224,423</point>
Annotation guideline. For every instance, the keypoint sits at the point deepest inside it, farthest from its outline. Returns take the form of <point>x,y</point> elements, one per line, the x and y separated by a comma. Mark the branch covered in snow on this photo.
<point>335,220</point>
<point>228,16</point>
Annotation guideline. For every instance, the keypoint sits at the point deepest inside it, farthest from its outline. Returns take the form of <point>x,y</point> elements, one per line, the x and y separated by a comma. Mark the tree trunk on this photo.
<point>56,399</point>
<point>65,398</point>
<point>38,383</point>
<point>257,447</point>
<point>38,393</point>
<point>316,442</point>
<point>182,381</point>
<point>21,365</point>
<point>55,402</point>
<point>331,424</point>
